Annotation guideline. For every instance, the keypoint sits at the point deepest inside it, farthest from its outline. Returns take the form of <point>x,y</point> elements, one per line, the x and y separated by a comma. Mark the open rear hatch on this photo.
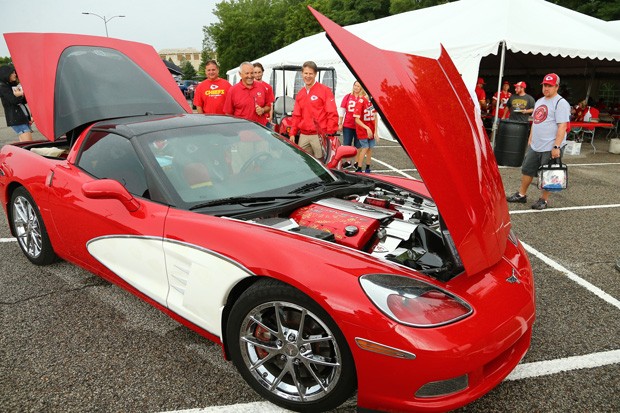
<point>74,80</point>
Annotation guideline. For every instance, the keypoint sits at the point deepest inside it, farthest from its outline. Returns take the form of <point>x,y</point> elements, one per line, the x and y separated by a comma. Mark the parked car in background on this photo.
<point>184,86</point>
<point>189,94</point>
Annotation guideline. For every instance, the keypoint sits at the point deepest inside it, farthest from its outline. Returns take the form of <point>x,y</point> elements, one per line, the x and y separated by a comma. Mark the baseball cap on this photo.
<point>551,79</point>
<point>506,82</point>
<point>521,84</point>
<point>480,80</point>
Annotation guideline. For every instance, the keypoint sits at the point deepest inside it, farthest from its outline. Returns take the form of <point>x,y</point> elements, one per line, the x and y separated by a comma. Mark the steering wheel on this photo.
<point>255,162</point>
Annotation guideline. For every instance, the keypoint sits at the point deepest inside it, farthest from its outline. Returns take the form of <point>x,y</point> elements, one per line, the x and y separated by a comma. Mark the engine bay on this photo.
<point>386,222</point>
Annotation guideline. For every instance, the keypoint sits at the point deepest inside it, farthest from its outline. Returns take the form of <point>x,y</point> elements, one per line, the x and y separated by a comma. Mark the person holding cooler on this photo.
<point>547,138</point>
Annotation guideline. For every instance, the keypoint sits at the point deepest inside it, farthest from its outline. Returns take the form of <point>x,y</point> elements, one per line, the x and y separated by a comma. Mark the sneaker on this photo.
<point>346,165</point>
<point>516,197</point>
<point>540,204</point>
<point>358,169</point>
<point>367,170</point>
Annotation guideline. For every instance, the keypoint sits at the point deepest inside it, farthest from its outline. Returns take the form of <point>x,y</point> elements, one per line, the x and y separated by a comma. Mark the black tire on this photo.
<point>28,227</point>
<point>309,372</point>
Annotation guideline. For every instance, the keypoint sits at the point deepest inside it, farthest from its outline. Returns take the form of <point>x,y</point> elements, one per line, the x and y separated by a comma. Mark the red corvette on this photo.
<point>316,282</point>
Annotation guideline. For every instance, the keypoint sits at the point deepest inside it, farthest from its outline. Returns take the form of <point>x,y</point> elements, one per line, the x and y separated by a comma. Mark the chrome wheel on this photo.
<point>290,351</point>
<point>27,227</point>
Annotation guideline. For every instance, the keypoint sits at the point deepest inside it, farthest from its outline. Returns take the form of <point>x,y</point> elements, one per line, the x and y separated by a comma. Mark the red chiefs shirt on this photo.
<point>211,94</point>
<point>241,101</point>
<point>348,103</point>
<point>504,113</point>
<point>317,104</point>
<point>365,111</point>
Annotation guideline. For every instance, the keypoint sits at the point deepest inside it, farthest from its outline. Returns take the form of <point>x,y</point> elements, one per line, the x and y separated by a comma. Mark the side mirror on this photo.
<point>342,152</point>
<point>110,189</point>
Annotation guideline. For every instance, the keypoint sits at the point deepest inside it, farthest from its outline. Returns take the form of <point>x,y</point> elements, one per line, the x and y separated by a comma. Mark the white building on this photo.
<point>180,56</point>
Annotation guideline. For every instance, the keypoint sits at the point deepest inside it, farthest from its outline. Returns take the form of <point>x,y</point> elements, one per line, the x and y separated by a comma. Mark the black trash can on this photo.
<point>511,142</point>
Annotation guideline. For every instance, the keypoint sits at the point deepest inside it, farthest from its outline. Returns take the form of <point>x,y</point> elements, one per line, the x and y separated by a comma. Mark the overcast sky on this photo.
<point>164,24</point>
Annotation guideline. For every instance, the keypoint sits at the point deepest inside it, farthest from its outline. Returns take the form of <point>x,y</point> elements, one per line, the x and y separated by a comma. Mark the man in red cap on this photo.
<point>521,105</point>
<point>547,138</point>
<point>481,95</point>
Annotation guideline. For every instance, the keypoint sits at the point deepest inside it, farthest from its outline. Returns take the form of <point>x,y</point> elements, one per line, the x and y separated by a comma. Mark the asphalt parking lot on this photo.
<point>72,342</point>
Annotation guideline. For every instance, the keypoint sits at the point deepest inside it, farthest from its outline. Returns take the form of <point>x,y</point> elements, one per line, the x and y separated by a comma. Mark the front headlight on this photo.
<point>412,302</point>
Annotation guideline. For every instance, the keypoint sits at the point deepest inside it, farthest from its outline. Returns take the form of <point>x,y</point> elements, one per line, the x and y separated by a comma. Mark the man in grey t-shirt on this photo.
<point>547,138</point>
<point>521,104</point>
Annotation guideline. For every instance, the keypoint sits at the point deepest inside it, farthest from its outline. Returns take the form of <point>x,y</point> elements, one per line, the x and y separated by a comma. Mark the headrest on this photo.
<point>278,106</point>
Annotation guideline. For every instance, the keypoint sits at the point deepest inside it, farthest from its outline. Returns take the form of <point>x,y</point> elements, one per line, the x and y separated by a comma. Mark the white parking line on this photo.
<point>546,367</point>
<point>522,371</point>
<point>8,239</point>
<point>575,208</point>
<point>256,407</point>
<point>572,276</point>
<point>393,168</point>
<point>571,165</point>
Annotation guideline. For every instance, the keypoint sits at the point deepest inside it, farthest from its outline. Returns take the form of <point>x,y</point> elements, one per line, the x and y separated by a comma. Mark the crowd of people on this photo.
<point>314,113</point>
<point>517,106</point>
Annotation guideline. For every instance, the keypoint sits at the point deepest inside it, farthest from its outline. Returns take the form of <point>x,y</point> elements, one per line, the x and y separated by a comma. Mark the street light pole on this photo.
<point>105,20</point>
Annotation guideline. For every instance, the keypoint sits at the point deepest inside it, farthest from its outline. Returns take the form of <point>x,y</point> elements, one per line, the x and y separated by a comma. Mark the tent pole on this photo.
<point>590,85</point>
<point>499,90</point>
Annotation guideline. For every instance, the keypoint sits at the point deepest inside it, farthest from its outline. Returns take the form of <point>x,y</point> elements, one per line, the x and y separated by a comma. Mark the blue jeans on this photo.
<point>367,143</point>
<point>349,137</point>
<point>19,129</point>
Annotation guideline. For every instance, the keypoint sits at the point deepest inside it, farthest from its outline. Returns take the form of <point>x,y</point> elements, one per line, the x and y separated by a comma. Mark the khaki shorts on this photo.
<point>311,144</point>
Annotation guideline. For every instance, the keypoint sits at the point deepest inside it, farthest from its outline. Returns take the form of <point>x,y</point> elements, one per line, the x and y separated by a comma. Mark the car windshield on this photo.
<point>228,161</point>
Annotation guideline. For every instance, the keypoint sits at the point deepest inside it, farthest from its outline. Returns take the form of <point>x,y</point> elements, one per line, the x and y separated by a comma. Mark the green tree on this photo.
<point>601,9</point>
<point>248,29</point>
<point>188,70</point>
<point>401,6</point>
<point>5,60</point>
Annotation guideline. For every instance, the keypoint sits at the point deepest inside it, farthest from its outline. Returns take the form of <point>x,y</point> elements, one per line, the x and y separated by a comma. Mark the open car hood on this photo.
<point>427,107</point>
<point>72,80</point>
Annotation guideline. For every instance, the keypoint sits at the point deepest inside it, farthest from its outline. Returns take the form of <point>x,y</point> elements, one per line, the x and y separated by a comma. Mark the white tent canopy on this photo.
<point>469,30</point>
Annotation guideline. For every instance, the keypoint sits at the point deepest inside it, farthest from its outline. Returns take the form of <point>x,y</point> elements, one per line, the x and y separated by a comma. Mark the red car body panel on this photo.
<point>485,346</point>
<point>29,50</point>
<point>405,90</point>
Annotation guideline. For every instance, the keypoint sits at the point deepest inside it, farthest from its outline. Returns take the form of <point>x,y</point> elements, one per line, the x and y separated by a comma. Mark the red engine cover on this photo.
<point>335,221</point>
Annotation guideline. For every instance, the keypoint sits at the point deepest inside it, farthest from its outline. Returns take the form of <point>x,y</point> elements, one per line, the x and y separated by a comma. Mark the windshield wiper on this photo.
<point>314,185</point>
<point>242,200</point>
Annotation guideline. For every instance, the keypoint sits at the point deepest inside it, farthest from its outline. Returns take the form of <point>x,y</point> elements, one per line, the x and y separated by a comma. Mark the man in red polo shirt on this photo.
<point>210,94</point>
<point>314,104</point>
<point>247,99</point>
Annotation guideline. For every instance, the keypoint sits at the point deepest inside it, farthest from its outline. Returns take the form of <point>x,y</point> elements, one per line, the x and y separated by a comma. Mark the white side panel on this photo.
<point>200,282</point>
<point>139,261</point>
